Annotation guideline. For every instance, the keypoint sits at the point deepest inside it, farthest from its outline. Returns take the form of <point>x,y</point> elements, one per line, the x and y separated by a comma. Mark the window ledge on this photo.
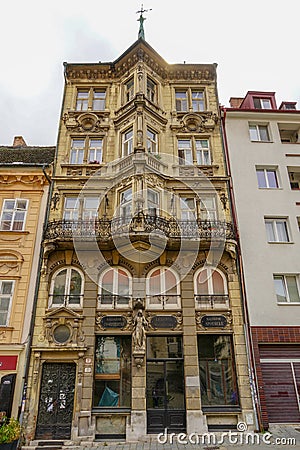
<point>288,303</point>
<point>280,242</point>
<point>116,410</point>
<point>271,189</point>
<point>14,232</point>
<point>262,142</point>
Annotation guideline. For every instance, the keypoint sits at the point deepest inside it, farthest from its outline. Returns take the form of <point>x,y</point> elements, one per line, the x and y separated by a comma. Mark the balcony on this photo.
<point>215,301</point>
<point>139,227</point>
<point>114,301</point>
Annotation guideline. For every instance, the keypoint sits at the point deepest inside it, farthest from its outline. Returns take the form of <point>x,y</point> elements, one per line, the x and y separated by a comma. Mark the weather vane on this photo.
<point>141,19</point>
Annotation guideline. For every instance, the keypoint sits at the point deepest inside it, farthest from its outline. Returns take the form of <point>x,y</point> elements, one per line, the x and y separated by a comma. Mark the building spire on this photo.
<point>141,19</point>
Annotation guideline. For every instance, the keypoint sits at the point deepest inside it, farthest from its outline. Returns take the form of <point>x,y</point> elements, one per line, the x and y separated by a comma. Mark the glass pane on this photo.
<point>263,133</point>
<point>4,303</point>
<point>170,285</point>
<point>155,394</point>
<point>174,386</point>
<point>59,285</point>
<point>270,231</point>
<point>75,283</point>
<point>9,204</point>
<point>261,178</point>
<point>202,283</point>
<point>218,283</point>
<point>272,178</point>
<point>280,289</point>
<point>3,318</point>
<point>292,287</point>
<point>163,347</point>
<point>253,133</point>
<point>6,287</point>
<point>123,283</point>
<point>217,373</point>
<point>155,283</point>
<point>282,231</point>
<point>21,204</point>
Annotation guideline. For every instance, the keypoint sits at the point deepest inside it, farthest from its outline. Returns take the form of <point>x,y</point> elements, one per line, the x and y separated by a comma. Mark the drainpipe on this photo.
<point>247,328</point>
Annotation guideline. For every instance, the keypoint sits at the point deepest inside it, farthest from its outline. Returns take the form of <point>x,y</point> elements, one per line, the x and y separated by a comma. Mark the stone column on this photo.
<point>196,421</point>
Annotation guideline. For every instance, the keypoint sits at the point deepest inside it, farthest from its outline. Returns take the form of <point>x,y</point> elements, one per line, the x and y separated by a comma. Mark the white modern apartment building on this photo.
<point>263,151</point>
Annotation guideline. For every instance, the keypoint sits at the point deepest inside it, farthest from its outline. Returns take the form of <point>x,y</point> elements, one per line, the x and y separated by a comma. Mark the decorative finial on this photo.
<point>141,19</point>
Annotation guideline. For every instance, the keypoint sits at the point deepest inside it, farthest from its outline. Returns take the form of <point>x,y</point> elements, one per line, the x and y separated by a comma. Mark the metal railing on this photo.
<point>216,301</point>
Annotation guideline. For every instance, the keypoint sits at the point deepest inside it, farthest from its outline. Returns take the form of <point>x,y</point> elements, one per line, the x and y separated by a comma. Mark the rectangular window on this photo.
<point>208,208</point>
<point>13,214</point>
<point>85,208</point>
<point>259,133</point>
<point>198,100</point>
<point>6,295</point>
<point>129,90</point>
<point>185,153</point>
<point>151,90</point>
<point>287,288</point>
<point>151,141</point>
<point>112,387</point>
<point>71,208</point>
<point>95,151</point>
<point>277,230</point>
<point>218,382</point>
<point>98,102</point>
<point>127,142</point>
<point>262,103</point>
<point>152,202</point>
<point>82,100</point>
<point>188,209</point>
<point>77,151</point>
<point>203,152</point>
<point>181,98</point>
<point>126,204</point>
<point>267,178</point>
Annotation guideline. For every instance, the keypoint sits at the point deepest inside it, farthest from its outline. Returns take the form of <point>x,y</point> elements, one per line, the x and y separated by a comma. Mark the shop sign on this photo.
<point>163,322</point>
<point>8,362</point>
<point>213,321</point>
<point>113,322</point>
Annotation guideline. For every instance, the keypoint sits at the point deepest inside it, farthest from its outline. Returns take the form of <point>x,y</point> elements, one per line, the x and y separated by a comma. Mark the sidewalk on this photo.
<point>278,437</point>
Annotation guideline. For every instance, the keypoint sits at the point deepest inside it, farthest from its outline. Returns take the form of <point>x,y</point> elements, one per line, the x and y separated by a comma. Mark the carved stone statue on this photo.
<point>139,331</point>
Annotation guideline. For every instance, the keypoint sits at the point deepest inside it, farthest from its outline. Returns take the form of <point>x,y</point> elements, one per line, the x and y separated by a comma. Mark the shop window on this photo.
<point>112,386</point>
<point>217,370</point>
<point>66,288</point>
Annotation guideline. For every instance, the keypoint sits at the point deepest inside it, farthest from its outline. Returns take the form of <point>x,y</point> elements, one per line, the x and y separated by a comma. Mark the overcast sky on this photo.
<point>255,44</point>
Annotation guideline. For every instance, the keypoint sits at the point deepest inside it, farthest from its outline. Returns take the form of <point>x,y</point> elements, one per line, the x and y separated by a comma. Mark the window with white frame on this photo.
<point>85,208</point>
<point>287,288</point>
<point>126,204</point>
<point>163,289</point>
<point>127,142</point>
<point>151,141</point>
<point>203,152</point>
<point>151,91</point>
<point>152,202</point>
<point>267,178</point>
<point>86,150</point>
<point>13,214</point>
<point>188,208</point>
<point>185,152</point>
<point>93,98</point>
<point>262,103</point>
<point>189,100</point>
<point>277,230</point>
<point>259,133</point>
<point>210,287</point>
<point>66,288</point>
<point>208,208</point>
<point>129,90</point>
<point>6,296</point>
<point>115,288</point>
<point>193,149</point>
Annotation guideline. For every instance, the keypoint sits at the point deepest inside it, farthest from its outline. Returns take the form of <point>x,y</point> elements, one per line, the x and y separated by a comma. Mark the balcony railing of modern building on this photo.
<point>214,301</point>
<point>139,226</point>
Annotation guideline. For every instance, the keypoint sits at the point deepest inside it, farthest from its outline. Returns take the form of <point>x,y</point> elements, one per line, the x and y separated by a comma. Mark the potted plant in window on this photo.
<point>10,432</point>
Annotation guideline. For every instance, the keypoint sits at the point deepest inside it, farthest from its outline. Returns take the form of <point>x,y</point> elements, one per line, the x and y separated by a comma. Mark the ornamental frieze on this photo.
<point>86,122</point>
<point>24,179</point>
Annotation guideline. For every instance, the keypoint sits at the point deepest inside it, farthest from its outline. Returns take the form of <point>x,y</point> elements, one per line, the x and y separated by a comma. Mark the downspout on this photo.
<point>247,328</point>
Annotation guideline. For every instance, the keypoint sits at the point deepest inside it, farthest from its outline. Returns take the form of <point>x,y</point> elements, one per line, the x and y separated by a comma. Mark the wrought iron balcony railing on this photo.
<point>163,301</point>
<point>65,300</point>
<point>105,229</point>
<point>114,301</point>
<point>216,301</point>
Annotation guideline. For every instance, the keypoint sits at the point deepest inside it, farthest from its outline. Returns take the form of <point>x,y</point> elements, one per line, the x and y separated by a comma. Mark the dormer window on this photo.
<point>262,103</point>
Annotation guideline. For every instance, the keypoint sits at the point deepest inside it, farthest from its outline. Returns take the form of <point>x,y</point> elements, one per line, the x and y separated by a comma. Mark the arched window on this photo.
<point>163,289</point>
<point>210,288</point>
<point>66,288</point>
<point>115,288</point>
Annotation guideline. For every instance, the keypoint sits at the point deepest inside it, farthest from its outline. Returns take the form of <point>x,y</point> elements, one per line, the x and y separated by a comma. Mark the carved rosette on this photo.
<point>201,122</point>
<point>199,320</point>
<point>85,122</point>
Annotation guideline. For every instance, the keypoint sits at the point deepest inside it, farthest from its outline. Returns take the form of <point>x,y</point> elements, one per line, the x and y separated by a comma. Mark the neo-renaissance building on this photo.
<point>139,320</point>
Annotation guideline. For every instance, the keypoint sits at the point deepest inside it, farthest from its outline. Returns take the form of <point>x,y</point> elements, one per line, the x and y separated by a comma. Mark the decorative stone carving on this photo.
<point>176,315</point>
<point>201,122</point>
<point>140,324</point>
<point>24,179</point>
<point>200,315</point>
<point>86,122</point>
<point>10,263</point>
<point>100,323</point>
<point>62,327</point>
